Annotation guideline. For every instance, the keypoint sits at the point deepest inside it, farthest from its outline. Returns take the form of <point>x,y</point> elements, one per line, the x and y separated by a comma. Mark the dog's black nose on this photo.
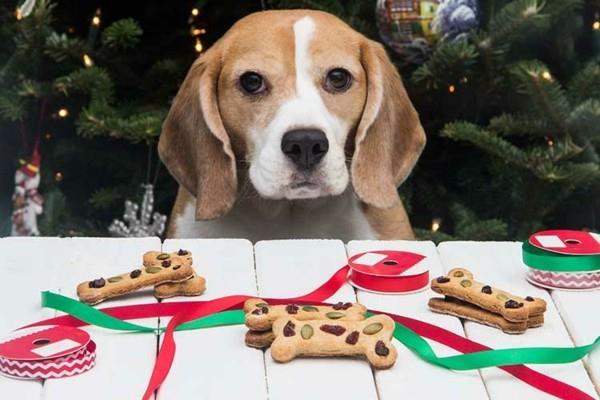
<point>305,147</point>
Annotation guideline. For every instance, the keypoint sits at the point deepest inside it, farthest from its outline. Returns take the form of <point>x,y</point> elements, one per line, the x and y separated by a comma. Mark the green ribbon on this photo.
<point>543,260</point>
<point>462,362</point>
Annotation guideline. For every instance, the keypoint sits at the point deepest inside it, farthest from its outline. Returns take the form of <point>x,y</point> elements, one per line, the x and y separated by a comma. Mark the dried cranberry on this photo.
<point>336,330</point>
<point>97,283</point>
<point>166,263</point>
<point>513,304</point>
<point>288,329</point>
<point>292,309</point>
<point>135,273</point>
<point>352,338</point>
<point>442,279</point>
<point>381,349</point>
<point>529,298</point>
<point>341,306</point>
<point>486,289</point>
<point>261,311</point>
<point>182,252</point>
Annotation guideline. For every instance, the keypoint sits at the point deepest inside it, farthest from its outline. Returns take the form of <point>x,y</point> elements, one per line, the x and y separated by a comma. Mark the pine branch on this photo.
<point>102,120</point>
<point>548,98</point>
<point>584,121</point>
<point>513,20</point>
<point>492,144</point>
<point>122,34</point>
<point>60,47</point>
<point>586,83</point>
<point>93,81</point>
<point>519,125</point>
<point>449,62</point>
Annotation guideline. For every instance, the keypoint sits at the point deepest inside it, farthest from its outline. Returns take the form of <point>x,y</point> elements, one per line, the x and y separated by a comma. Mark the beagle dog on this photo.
<point>292,125</point>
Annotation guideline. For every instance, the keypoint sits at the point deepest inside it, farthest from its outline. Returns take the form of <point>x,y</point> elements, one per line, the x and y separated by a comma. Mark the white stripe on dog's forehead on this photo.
<point>304,30</point>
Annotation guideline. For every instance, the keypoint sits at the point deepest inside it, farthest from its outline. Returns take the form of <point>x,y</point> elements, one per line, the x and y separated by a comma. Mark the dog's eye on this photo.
<point>252,83</point>
<point>338,80</point>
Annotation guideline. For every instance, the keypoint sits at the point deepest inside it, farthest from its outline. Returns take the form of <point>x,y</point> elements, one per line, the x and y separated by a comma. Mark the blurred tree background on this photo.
<point>510,101</point>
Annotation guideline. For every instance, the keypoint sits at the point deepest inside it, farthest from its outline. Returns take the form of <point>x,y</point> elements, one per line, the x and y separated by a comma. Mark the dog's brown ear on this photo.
<point>194,144</point>
<point>389,137</point>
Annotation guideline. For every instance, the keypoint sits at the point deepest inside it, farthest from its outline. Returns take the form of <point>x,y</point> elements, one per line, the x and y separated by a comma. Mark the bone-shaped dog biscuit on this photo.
<point>371,338</point>
<point>260,315</point>
<point>158,258</point>
<point>459,284</point>
<point>179,268</point>
<point>194,286</point>
<point>461,309</point>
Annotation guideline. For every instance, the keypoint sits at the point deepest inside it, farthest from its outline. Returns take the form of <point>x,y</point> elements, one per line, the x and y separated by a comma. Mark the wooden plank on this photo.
<point>124,360</point>
<point>214,363</point>
<point>292,268</point>
<point>500,265</point>
<point>578,311</point>
<point>412,377</point>
<point>28,267</point>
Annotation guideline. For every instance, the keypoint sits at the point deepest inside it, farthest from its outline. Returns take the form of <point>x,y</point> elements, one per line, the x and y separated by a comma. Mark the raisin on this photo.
<point>513,304</point>
<point>135,273</point>
<point>486,289</point>
<point>261,311</point>
<point>442,279</point>
<point>381,349</point>
<point>292,309</point>
<point>97,283</point>
<point>288,329</point>
<point>341,306</point>
<point>166,263</point>
<point>182,252</point>
<point>352,338</point>
<point>529,298</point>
<point>336,330</point>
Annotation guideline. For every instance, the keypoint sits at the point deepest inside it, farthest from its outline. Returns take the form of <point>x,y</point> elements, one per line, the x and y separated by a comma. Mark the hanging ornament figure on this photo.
<point>455,18</point>
<point>27,202</point>
<point>145,224</point>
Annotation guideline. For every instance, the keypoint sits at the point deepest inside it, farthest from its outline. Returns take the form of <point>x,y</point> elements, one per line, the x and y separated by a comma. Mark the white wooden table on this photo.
<point>215,364</point>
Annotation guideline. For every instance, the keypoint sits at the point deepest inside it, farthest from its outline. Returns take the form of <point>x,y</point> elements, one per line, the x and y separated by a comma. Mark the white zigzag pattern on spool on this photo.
<point>52,369</point>
<point>565,280</point>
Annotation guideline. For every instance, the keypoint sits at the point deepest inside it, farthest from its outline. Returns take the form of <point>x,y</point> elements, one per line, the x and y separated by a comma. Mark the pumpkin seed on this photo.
<point>465,283</point>
<point>502,297</point>
<point>153,270</point>
<point>373,328</point>
<point>115,279</point>
<point>261,305</point>
<point>459,274</point>
<point>306,332</point>
<point>163,256</point>
<point>310,309</point>
<point>334,315</point>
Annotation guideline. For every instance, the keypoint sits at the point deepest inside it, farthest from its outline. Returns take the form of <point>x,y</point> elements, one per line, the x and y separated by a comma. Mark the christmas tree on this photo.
<point>508,93</point>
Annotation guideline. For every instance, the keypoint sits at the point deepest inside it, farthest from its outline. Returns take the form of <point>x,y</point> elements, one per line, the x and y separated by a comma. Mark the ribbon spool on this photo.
<point>563,259</point>
<point>389,272</point>
<point>44,353</point>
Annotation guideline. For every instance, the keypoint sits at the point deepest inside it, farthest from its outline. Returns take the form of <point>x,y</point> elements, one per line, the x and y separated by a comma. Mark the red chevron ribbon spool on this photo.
<point>391,272</point>
<point>47,352</point>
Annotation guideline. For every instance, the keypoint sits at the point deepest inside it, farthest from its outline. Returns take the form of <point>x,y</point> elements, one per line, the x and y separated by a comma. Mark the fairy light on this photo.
<point>464,80</point>
<point>596,23</point>
<point>197,31</point>
<point>546,75</point>
<point>87,61</point>
<point>63,113</point>
<point>435,224</point>
<point>195,12</point>
<point>58,177</point>
<point>48,136</point>
<point>18,14</point>
<point>451,88</point>
<point>96,18</point>
<point>198,46</point>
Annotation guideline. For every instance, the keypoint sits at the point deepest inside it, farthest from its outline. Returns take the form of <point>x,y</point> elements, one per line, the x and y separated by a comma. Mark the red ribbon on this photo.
<point>186,311</point>
<point>390,284</point>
